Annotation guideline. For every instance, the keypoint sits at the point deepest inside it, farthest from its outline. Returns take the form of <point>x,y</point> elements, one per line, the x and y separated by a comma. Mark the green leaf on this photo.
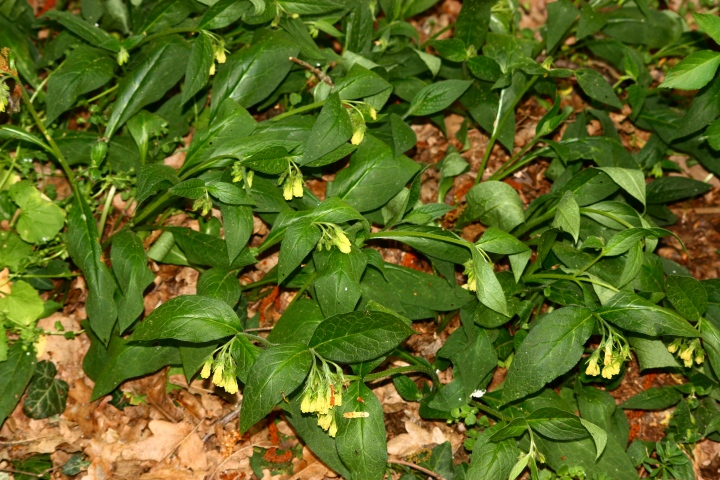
<point>375,175</point>
<point>153,178</point>
<point>492,460</point>
<point>709,24</point>
<point>13,251</point>
<point>360,83</point>
<point>598,435</point>
<point>220,283</point>
<point>93,35</point>
<point>229,193</point>
<point>632,181</point>
<point>142,127</point>
<point>653,399</point>
<point>84,70</point>
<point>472,22</point>
<point>46,395</point>
<point>693,72</point>
<point>251,74</point>
<point>238,227</point>
<point>130,266</point>
<point>277,372</point>
<point>632,312</point>
<point>622,241</point>
<point>86,251</point>
<point>596,87</point>
<point>495,204</point>
<point>437,96</point>
<point>197,72</point>
<point>710,335</point>
<point>567,215</point>
<point>332,128</point>
<point>561,16</point>
<point>687,295</point>
<point>300,238</point>
<point>166,14</point>
<point>298,323</point>
<point>40,219</point>
<point>337,286</point>
<point>552,348</point>
<point>222,14</point>
<point>704,109</point>
<point>590,21</point>
<point>163,66</point>
<point>359,336</point>
<point>15,374</point>
<point>245,355</point>
<point>23,306</point>
<point>672,189</point>
<point>193,188</point>
<point>651,353</point>
<point>360,441</point>
<point>189,318</point>
<point>488,288</point>
<point>16,133</point>
<point>121,361</point>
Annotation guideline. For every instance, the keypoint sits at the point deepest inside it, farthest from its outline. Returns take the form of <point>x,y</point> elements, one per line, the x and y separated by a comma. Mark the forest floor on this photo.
<point>169,429</point>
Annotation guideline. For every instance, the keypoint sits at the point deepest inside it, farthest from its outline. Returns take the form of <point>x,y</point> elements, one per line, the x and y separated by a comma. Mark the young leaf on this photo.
<point>693,72</point>
<point>130,266</point>
<point>359,336</point>
<point>437,96</point>
<point>46,395</point>
<point>360,440</point>
<point>277,372</point>
<point>632,312</point>
<point>189,318</point>
<point>552,347</point>
<point>596,87</point>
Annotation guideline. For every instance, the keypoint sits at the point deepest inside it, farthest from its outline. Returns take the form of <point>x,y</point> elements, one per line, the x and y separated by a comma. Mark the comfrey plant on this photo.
<point>561,293</point>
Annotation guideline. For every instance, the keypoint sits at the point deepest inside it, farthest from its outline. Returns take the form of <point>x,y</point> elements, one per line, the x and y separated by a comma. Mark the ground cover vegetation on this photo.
<point>301,116</point>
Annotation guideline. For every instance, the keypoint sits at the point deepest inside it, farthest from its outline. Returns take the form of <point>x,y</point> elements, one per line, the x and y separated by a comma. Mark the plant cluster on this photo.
<point>563,292</point>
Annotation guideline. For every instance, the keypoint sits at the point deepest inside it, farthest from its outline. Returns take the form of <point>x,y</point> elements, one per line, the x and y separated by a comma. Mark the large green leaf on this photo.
<point>553,346</point>
<point>332,128</point>
<point>495,204</point>
<point>84,70</point>
<point>687,295</point>
<point>15,374</point>
<point>220,283</point>
<point>596,87</point>
<point>130,266</point>
<point>360,441</point>
<point>277,372</point>
<point>189,318</point>
<point>40,219</point>
<point>198,68</point>
<point>693,72</point>
<point>95,36</point>
<point>164,64</point>
<point>359,336</point>
<point>632,312</point>
<point>437,96</point>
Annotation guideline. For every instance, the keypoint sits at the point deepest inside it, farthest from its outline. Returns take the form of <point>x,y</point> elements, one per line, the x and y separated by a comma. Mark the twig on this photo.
<point>261,329</point>
<point>417,467</point>
<point>224,420</point>
<point>20,442</point>
<point>699,211</point>
<point>235,453</point>
<point>319,73</point>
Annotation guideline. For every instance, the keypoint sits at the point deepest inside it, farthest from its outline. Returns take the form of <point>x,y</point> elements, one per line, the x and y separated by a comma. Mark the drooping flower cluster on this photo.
<point>615,351</point>
<point>222,366</point>
<point>292,182</point>
<point>333,235</point>
<point>322,393</point>
<point>689,350</point>
<point>219,51</point>
<point>204,204</point>
<point>472,279</point>
<point>359,110</point>
<point>240,173</point>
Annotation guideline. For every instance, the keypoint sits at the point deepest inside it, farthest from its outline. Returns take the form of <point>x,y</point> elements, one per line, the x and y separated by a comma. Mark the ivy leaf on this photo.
<point>15,374</point>
<point>189,318</point>
<point>596,87</point>
<point>130,266</point>
<point>277,372</point>
<point>693,72</point>
<point>632,312</point>
<point>359,336</point>
<point>553,346</point>
<point>361,441</point>
<point>46,395</point>
<point>437,96</point>
<point>687,295</point>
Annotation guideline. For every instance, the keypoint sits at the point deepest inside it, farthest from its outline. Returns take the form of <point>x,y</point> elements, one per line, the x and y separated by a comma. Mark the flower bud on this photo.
<point>98,153</point>
<point>341,241</point>
<point>218,375</point>
<point>207,368</point>
<point>358,135</point>
<point>593,369</point>
<point>288,190</point>
<point>220,52</point>
<point>212,69</point>
<point>298,186</point>
<point>123,56</point>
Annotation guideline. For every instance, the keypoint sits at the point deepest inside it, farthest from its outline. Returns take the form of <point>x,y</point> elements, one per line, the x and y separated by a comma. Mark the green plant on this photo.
<point>562,292</point>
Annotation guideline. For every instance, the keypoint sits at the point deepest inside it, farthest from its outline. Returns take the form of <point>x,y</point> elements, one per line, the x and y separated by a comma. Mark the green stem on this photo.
<point>53,146</point>
<point>523,229</point>
<point>295,111</point>
<point>106,210</point>
<point>10,170</point>
<point>553,276</point>
<point>410,368</point>
<point>256,338</point>
<point>608,215</point>
<point>165,33</point>
<point>502,171</point>
<point>587,267</point>
<point>102,94</point>
<point>489,410</point>
<point>304,288</point>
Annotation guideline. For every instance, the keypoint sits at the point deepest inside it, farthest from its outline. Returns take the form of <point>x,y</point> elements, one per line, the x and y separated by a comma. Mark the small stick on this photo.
<point>417,467</point>
<point>319,73</point>
<point>224,421</point>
